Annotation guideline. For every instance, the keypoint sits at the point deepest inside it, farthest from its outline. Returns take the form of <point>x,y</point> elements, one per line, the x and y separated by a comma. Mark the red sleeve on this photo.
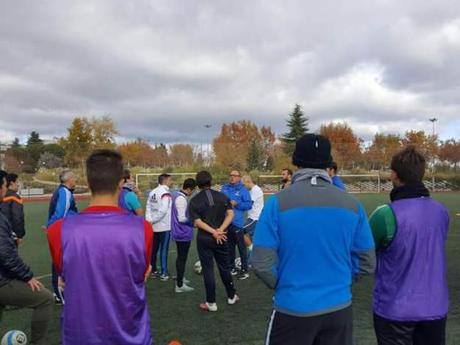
<point>55,244</point>
<point>148,235</point>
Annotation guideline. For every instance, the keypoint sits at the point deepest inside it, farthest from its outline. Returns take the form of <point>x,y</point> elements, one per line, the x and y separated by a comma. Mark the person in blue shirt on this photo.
<point>311,239</point>
<point>62,205</point>
<point>336,180</point>
<point>241,201</point>
<point>128,198</point>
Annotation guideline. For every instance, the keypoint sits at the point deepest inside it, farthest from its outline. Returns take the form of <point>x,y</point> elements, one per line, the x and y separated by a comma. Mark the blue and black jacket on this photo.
<point>309,242</point>
<point>238,192</point>
<point>62,204</point>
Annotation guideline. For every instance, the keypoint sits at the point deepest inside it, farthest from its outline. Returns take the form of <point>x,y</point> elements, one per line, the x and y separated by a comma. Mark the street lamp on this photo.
<point>433,120</point>
<point>208,126</point>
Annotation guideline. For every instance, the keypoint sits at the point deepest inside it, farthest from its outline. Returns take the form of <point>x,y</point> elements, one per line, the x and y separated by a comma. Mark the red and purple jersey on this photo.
<point>103,254</point>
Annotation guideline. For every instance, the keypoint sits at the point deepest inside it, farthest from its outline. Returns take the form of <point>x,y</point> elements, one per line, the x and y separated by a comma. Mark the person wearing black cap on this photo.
<point>310,241</point>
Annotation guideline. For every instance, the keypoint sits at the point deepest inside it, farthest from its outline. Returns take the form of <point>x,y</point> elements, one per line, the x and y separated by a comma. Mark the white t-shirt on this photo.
<point>257,196</point>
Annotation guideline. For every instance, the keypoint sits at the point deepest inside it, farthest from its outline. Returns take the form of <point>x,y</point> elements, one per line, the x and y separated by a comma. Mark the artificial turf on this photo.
<point>176,316</point>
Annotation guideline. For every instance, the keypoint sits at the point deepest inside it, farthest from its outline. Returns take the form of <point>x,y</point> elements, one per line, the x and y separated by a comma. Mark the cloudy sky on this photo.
<point>163,69</point>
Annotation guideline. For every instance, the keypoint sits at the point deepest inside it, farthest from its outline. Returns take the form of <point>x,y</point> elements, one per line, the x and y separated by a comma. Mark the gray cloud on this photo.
<point>163,69</point>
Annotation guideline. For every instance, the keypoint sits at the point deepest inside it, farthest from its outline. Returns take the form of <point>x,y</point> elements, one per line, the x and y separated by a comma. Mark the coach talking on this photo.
<point>310,240</point>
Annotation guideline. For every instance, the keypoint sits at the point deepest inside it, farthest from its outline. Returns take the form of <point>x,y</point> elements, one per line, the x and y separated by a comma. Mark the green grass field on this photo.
<point>177,316</point>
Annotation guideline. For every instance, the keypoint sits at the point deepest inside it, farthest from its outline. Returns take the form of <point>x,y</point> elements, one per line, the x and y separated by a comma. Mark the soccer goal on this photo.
<point>355,183</point>
<point>148,181</point>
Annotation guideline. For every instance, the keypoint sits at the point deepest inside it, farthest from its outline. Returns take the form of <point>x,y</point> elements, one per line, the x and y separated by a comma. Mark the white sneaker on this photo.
<point>208,307</point>
<point>234,300</point>
<point>184,288</point>
<point>164,277</point>
<point>186,281</point>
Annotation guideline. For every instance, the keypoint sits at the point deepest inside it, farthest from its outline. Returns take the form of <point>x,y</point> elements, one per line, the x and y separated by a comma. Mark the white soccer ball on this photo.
<point>197,267</point>
<point>14,338</point>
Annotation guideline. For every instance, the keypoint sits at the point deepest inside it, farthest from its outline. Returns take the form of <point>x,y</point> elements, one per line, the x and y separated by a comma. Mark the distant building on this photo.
<point>3,149</point>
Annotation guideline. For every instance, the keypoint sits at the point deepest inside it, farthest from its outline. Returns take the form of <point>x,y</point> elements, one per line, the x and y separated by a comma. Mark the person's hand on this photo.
<point>233,203</point>
<point>19,241</point>
<point>35,285</point>
<point>219,236</point>
<point>44,229</point>
<point>61,283</point>
<point>137,191</point>
<point>147,273</point>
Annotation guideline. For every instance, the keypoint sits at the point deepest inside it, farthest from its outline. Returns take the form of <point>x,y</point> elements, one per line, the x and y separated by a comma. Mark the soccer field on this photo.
<point>176,316</point>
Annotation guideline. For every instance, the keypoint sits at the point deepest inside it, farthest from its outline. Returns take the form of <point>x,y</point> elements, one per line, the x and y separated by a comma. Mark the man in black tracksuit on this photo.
<point>12,208</point>
<point>18,287</point>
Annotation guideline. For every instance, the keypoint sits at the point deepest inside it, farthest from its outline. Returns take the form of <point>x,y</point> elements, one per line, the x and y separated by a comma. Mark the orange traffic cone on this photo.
<point>175,342</point>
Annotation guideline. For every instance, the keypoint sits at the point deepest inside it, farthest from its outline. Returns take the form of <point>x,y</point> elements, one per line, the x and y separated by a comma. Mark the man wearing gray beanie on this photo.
<point>310,241</point>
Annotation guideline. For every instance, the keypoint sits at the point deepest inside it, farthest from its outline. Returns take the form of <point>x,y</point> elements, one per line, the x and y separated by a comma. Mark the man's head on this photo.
<point>312,151</point>
<point>165,180</point>
<point>189,186</point>
<point>248,182</point>
<point>104,170</point>
<point>203,179</point>
<point>235,177</point>
<point>12,181</point>
<point>286,175</point>
<point>407,166</point>
<point>127,176</point>
<point>67,178</point>
<point>332,170</point>
<point>3,188</point>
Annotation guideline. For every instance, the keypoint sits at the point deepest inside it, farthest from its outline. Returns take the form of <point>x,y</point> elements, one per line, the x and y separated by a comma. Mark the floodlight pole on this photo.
<point>433,120</point>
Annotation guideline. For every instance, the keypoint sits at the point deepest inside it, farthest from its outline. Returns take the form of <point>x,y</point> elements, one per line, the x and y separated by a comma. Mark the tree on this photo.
<point>382,149</point>
<point>426,144</point>
<point>34,148</point>
<point>50,161</point>
<point>181,155</point>
<point>78,142</point>
<point>254,160</point>
<point>55,149</point>
<point>103,132</point>
<point>297,127</point>
<point>160,155</point>
<point>450,152</point>
<point>346,146</point>
<point>137,153</point>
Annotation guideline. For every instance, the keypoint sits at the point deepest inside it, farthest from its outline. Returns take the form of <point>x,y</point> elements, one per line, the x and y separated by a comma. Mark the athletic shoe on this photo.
<point>184,280</point>
<point>57,300</point>
<point>208,307</point>
<point>234,300</point>
<point>243,275</point>
<point>164,277</point>
<point>184,288</point>
<point>155,274</point>
<point>234,272</point>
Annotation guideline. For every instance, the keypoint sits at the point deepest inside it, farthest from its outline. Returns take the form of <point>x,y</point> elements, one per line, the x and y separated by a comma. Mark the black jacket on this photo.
<point>13,210</point>
<point>11,265</point>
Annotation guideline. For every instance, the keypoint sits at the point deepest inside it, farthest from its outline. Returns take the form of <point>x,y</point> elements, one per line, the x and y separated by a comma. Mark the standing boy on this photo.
<point>411,294</point>
<point>129,198</point>
<point>257,197</point>
<point>336,179</point>
<point>13,209</point>
<point>212,214</point>
<point>103,256</point>
<point>182,231</point>
<point>241,202</point>
<point>158,213</point>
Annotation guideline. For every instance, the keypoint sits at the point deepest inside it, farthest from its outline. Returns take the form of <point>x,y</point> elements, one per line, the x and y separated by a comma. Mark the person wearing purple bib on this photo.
<point>103,256</point>
<point>411,293</point>
<point>182,231</point>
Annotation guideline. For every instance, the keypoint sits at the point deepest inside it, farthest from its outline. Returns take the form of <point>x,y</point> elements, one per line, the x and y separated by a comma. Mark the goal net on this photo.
<point>148,181</point>
<point>355,183</point>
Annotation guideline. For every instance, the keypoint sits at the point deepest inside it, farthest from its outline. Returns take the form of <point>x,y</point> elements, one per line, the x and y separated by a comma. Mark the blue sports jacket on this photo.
<point>240,194</point>
<point>62,204</point>
<point>309,242</point>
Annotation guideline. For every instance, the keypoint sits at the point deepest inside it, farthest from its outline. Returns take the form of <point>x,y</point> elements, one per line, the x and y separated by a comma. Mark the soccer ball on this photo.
<point>14,338</point>
<point>197,268</point>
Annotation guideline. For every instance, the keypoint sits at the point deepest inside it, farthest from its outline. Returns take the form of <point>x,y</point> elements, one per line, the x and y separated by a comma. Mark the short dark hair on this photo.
<point>11,178</point>
<point>104,170</point>
<point>189,183</point>
<point>3,175</point>
<point>334,166</point>
<point>126,175</point>
<point>288,170</point>
<point>203,179</point>
<point>162,178</point>
<point>409,164</point>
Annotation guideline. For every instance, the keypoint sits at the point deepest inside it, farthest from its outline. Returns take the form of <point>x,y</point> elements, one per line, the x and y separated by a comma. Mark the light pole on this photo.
<point>208,126</point>
<point>433,120</point>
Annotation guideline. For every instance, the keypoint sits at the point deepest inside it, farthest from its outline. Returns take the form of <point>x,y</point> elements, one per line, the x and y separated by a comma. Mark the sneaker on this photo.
<point>164,277</point>
<point>234,272</point>
<point>184,280</point>
<point>243,275</point>
<point>57,300</point>
<point>184,288</point>
<point>155,275</point>
<point>208,307</point>
<point>234,300</point>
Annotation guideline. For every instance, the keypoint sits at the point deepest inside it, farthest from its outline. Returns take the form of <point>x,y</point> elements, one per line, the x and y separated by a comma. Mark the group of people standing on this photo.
<point>309,243</point>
